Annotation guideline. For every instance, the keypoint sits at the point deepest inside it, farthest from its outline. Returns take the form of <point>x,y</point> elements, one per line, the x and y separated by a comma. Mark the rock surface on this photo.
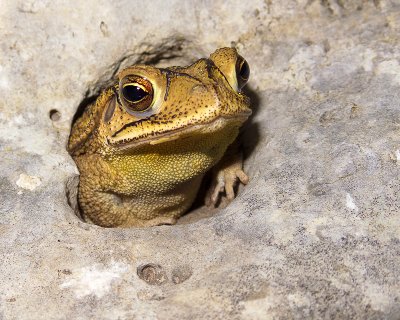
<point>314,235</point>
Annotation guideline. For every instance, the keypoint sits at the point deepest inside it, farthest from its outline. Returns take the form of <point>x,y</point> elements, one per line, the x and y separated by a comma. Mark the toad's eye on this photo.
<point>242,72</point>
<point>136,93</point>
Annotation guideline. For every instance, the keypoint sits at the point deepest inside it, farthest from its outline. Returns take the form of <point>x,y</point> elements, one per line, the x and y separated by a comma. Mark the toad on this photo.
<point>143,147</point>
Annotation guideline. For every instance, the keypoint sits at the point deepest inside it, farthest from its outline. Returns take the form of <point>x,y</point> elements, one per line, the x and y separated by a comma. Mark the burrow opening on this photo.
<point>172,52</point>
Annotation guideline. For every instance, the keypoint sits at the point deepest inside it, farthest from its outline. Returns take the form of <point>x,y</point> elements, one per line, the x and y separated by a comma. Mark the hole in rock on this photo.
<point>54,115</point>
<point>114,116</point>
<point>181,274</point>
<point>152,273</point>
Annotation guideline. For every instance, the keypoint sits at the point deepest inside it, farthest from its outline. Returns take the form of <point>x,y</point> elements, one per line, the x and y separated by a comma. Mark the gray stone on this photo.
<point>314,235</point>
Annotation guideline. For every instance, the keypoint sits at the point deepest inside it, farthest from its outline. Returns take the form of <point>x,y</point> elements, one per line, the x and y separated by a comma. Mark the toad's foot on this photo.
<point>225,177</point>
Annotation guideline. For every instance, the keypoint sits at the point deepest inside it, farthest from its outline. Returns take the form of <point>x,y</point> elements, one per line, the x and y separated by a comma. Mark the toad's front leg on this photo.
<point>226,175</point>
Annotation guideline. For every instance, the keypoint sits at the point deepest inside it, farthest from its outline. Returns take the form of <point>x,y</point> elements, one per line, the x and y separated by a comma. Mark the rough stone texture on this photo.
<point>314,235</point>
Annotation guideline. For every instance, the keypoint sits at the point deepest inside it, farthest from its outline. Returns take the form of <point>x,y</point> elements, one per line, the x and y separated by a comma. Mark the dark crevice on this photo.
<point>87,100</point>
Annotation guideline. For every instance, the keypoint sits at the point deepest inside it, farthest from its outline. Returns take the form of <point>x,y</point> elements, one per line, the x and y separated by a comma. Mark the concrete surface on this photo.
<point>314,235</point>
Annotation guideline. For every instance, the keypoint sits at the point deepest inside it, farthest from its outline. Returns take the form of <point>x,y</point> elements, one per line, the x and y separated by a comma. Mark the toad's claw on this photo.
<point>225,180</point>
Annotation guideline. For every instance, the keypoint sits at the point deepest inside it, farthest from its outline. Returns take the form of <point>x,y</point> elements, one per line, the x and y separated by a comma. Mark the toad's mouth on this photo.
<point>204,128</point>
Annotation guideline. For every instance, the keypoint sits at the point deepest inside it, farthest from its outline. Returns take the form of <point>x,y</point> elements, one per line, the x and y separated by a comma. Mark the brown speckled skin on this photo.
<point>144,171</point>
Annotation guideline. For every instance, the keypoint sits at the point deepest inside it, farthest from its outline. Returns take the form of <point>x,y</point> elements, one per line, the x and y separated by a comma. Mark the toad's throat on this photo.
<point>204,128</point>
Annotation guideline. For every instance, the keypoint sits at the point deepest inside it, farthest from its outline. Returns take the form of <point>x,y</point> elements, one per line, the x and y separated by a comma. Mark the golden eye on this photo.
<point>137,93</point>
<point>242,72</point>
